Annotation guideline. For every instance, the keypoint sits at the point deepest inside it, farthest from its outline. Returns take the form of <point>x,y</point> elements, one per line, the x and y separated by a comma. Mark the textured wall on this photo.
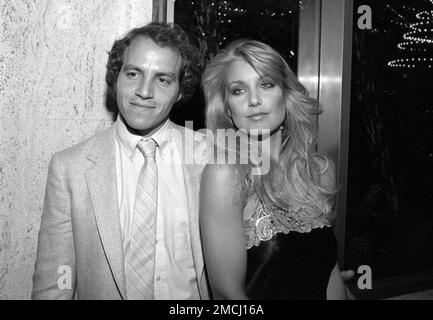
<point>52,67</point>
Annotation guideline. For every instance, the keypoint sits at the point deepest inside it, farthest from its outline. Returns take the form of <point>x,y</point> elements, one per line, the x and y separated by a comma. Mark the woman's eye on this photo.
<point>267,85</point>
<point>237,91</point>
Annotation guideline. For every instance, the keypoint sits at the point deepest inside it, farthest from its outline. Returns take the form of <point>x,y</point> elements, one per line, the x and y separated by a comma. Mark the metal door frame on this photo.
<point>324,67</point>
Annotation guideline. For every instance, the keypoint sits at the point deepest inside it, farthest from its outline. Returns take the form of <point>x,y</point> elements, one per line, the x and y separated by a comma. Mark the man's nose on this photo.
<point>145,89</point>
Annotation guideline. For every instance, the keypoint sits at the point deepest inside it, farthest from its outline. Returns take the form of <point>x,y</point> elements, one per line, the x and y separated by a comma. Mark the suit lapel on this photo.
<point>101,181</point>
<point>194,158</point>
<point>192,182</point>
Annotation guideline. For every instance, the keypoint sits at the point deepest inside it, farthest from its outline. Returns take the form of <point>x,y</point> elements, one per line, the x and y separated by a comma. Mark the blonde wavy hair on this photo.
<point>296,178</point>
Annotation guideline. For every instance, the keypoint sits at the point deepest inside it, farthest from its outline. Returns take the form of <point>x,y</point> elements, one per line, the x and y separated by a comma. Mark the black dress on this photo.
<point>290,255</point>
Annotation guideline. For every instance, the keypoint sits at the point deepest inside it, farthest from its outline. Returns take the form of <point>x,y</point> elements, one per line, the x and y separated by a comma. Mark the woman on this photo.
<point>267,236</point>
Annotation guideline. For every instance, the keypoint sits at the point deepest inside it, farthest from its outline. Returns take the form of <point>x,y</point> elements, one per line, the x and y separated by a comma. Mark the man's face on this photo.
<point>148,85</point>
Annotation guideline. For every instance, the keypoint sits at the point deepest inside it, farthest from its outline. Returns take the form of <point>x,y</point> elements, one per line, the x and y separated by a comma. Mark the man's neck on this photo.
<point>143,133</point>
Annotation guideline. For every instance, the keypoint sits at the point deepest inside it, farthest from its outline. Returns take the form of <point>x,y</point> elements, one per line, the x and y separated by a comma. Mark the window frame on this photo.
<point>160,11</point>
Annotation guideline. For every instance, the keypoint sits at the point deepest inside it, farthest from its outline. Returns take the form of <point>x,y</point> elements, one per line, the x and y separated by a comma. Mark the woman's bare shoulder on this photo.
<point>224,182</point>
<point>225,173</point>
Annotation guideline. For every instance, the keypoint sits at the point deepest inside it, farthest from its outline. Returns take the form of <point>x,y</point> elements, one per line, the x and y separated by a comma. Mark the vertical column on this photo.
<point>309,45</point>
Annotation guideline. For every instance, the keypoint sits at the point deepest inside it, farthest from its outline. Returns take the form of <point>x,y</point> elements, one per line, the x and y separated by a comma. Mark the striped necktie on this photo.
<point>140,266</point>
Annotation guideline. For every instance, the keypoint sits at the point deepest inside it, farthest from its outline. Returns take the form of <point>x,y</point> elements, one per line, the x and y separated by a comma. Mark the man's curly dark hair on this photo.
<point>165,35</point>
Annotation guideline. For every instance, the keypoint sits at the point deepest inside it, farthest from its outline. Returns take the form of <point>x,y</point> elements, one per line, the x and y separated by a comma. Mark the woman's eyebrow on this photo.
<point>235,82</point>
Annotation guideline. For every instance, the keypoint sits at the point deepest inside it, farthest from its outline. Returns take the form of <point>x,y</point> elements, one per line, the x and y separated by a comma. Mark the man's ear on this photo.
<point>179,97</point>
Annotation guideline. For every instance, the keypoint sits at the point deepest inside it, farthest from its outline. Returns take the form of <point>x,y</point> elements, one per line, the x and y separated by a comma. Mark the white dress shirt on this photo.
<point>175,276</point>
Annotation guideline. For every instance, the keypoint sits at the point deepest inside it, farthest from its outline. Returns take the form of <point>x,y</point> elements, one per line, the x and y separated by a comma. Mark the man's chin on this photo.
<point>143,129</point>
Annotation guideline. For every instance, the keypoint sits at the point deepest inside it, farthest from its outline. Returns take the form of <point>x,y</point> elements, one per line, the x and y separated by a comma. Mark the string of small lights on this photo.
<point>227,12</point>
<point>418,39</point>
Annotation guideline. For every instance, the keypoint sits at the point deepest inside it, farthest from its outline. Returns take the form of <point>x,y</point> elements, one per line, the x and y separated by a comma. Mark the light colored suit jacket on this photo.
<point>80,226</point>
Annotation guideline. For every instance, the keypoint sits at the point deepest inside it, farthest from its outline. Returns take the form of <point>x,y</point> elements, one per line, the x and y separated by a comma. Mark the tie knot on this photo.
<point>147,147</point>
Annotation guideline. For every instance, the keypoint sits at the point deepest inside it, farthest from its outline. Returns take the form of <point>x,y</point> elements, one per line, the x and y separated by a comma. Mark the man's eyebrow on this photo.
<point>157,74</point>
<point>131,67</point>
<point>165,74</point>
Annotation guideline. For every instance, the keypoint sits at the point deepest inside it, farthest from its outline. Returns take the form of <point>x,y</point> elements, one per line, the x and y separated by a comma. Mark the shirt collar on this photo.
<point>128,141</point>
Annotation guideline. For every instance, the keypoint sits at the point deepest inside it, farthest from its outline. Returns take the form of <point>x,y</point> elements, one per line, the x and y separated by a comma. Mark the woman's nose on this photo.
<point>255,99</point>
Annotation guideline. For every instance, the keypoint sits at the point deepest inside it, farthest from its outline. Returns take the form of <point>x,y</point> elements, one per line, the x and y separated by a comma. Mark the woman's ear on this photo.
<point>228,110</point>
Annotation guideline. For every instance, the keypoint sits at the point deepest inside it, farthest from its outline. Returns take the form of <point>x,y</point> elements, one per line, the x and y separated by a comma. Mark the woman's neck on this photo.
<point>274,142</point>
<point>270,145</point>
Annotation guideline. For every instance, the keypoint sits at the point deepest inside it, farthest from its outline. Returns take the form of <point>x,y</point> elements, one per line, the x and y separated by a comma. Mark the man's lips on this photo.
<point>142,105</point>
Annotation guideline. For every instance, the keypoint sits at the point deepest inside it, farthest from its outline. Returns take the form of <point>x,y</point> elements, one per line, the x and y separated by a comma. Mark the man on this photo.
<point>121,209</point>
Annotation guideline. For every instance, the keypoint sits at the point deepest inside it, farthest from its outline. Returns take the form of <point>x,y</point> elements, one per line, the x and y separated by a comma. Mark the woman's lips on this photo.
<point>257,116</point>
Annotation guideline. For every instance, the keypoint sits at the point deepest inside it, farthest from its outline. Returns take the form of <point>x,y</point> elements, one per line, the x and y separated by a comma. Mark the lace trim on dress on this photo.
<point>265,223</point>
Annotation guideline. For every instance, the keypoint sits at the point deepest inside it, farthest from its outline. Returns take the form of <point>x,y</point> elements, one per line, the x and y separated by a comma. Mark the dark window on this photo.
<point>389,214</point>
<point>212,24</point>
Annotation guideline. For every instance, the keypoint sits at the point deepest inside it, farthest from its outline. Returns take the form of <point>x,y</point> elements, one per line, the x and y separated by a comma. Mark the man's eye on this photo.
<point>164,81</point>
<point>132,74</point>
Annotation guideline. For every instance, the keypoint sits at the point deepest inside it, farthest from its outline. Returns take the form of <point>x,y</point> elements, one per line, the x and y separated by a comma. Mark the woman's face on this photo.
<point>254,102</point>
